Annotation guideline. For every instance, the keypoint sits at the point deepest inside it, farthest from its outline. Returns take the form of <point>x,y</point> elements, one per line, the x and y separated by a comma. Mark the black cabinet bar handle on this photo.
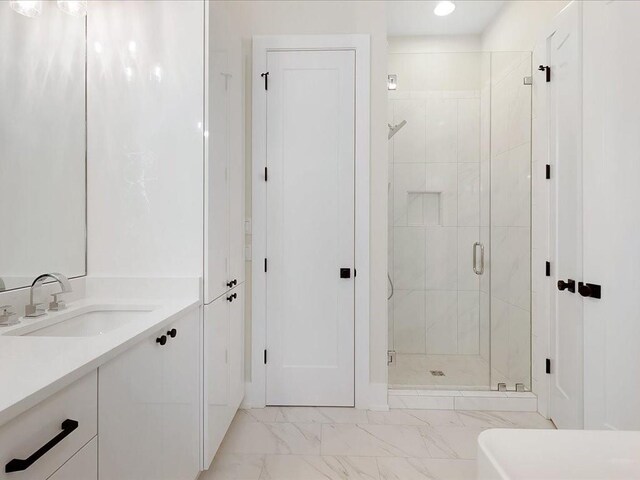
<point>18,464</point>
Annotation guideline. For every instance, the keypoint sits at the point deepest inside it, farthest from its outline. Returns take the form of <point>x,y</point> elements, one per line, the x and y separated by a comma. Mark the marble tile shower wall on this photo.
<point>510,219</point>
<point>434,210</point>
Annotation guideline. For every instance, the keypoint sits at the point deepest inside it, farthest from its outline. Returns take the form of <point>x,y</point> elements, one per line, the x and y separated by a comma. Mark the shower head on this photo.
<point>393,129</point>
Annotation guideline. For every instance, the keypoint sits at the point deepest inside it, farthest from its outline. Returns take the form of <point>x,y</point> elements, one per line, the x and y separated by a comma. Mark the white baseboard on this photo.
<point>375,399</point>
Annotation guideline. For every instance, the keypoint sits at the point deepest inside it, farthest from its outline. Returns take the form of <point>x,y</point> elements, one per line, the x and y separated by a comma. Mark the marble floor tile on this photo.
<point>234,467</point>
<point>263,444</point>
<point>423,469</point>
<point>504,419</point>
<point>451,442</point>
<point>252,415</point>
<point>432,418</point>
<point>372,440</point>
<point>272,438</point>
<point>315,467</point>
<point>321,415</point>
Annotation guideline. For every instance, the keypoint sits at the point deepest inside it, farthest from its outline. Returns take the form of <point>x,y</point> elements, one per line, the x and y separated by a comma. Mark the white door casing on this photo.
<point>611,220</point>
<point>310,222</point>
<point>349,338</point>
<point>563,47</point>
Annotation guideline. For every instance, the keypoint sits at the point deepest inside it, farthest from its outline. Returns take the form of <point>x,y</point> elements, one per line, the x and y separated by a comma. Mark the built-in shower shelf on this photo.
<point>423,207</point>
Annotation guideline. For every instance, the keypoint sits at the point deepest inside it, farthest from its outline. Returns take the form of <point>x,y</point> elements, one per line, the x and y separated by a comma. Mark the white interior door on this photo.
<point>565,114</point>
<point>611,220</point>
<point>310,228</point>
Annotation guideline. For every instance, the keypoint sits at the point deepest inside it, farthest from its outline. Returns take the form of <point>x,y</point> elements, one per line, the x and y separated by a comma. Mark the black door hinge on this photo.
<point>547,174</point>
<point>265,356</point>
<point>266,174</point>
<point>547,367</point>
<point>547,269</point>
<point>547,70</point>
<point>265,75</point>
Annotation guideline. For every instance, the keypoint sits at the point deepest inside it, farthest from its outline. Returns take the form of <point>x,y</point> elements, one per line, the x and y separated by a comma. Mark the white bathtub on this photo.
<point>558,454</point>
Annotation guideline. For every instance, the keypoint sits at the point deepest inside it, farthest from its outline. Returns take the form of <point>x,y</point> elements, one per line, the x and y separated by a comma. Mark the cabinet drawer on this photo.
<point>82,466</point>
<point>42,427</point>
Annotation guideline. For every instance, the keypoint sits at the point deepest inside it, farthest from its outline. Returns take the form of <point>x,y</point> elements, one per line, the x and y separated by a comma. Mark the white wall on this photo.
<point>332,17</point>
<point>434,43</point>
<point>145,139</point>
<point>519,24</point>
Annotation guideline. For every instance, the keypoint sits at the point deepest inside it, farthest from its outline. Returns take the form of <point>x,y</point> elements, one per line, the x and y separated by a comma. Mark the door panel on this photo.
<point>310,228</point>
<point>236,350</point>
<point>181,409</point>
<point>217,246</point>
<point>565,100</point>
<point>611,221</point>
<point>216,374</point>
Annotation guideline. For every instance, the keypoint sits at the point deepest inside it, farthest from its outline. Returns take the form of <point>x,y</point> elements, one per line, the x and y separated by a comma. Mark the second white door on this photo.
<point>310,228</point>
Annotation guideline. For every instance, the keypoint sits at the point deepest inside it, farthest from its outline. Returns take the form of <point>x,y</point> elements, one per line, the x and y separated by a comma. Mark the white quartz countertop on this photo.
<point>34,367</point>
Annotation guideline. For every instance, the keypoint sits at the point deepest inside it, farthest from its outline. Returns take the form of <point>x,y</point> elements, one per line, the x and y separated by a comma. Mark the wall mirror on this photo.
<point>42,140</point>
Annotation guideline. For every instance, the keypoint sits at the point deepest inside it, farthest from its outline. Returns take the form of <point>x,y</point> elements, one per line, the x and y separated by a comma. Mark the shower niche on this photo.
<point>423,208</point>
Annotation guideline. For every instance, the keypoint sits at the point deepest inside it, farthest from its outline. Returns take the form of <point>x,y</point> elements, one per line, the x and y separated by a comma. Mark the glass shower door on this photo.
<point>510,192</point>
<point>437,328</point>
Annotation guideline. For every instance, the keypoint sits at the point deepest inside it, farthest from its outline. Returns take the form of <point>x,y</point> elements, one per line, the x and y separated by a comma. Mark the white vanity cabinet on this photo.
<point>82,466</point>
<point>223,367</point>
<point>149,407</point>
<point>224,162</point>
<point>56,428</point>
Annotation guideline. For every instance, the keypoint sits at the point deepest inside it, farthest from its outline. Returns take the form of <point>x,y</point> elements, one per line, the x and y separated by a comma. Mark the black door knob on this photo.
<point>172,333</point>
<point>590,290</point>
<point>162,340</point>
<point>568,285</point>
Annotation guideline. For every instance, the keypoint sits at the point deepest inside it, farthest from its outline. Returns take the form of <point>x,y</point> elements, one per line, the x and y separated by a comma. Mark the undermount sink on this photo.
<point>85,322</point>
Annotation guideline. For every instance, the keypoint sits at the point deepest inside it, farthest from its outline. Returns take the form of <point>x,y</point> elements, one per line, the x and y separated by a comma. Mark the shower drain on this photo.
<point>437,373</point>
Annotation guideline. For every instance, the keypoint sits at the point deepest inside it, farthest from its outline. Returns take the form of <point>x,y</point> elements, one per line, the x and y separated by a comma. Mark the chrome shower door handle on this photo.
<point>476,270</point>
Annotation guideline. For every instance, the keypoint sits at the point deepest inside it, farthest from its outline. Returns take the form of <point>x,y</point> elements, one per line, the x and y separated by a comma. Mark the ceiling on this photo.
<point>412,17</point>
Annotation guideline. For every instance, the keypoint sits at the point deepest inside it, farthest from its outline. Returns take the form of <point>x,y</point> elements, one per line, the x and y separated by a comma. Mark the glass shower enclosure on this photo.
<point>459,220</point>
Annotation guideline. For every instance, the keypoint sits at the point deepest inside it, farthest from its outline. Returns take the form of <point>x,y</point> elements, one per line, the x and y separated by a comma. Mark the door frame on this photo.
<point>360,44</point>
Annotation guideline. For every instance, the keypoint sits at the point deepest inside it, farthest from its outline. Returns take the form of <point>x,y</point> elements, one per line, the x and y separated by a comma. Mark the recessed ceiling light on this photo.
<point>444,8</point>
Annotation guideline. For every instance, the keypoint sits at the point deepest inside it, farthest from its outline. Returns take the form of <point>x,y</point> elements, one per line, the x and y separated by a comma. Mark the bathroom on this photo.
<point>458,178</point>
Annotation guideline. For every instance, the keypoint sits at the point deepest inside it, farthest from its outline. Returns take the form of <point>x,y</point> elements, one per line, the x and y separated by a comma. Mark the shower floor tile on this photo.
<point>460,371</point>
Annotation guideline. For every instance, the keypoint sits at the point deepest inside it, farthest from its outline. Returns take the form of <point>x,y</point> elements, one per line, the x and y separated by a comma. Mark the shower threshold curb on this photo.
<point>487,400</point>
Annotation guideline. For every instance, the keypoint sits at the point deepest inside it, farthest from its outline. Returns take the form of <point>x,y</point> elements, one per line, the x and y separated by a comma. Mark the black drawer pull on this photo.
<point>172,333</point>
<point>162,340</point>
<point>231,297</point>
<point>18,465</point>
<point>232,283</point>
